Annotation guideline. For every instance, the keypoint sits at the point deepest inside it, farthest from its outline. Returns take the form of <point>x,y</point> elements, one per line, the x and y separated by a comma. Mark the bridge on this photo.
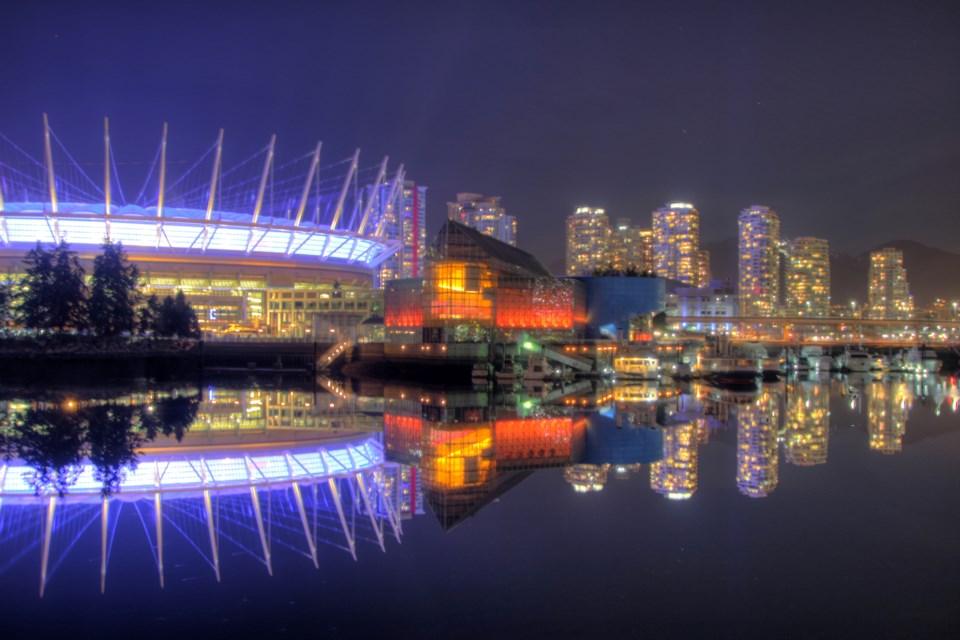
<point>945,332</point>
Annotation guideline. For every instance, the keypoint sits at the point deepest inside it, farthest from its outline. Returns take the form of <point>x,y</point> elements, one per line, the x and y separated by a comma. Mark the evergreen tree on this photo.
<point>54,293</point>
<point>34,309</point>
<point>6,311</point>
<point>113,292</point>
<point>171,317</point>
<point>68,290</point>
<point>150,315</point>
<point>185,321</point>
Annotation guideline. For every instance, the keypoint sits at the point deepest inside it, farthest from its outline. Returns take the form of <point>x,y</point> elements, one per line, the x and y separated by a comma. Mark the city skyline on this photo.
<point>764,73</point>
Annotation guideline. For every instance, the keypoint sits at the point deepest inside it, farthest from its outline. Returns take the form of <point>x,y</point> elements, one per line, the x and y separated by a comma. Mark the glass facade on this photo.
<point>403,219</point>
<point>889,292</point>
<point>476,289</point>
<point>588,234</point>
<point>808,277</point>
<point>759,261</point>
<point>676,242</point>
<point>485,214</point>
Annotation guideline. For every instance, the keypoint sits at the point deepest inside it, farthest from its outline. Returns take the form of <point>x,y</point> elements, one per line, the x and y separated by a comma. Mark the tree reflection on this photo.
<point>51,442</point>
<point>170,417</point>
<point>113,436</point>
<point>54,440</point>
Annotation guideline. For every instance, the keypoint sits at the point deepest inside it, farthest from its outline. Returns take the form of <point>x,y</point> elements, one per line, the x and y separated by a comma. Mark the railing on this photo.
<point>329,356</point>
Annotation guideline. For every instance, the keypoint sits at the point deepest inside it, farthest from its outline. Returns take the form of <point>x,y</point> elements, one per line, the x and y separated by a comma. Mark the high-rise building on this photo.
<point>406,221</point>
<point>588,238</point>
<point>889,294</point>
<point>703,271</point>
<point>759,241</point>
<point>485,214</point>
<point>676,242</point>
<point>807,271</point>
<point>630,246</point>
<point>646,251</point>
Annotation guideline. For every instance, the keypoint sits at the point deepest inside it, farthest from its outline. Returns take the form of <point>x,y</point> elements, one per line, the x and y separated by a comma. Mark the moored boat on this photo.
<point>730,371</point>
<point>856,360</point>
<point>636,363</point>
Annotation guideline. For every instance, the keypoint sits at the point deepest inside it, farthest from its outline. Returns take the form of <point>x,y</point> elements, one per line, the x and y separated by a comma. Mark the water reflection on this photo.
<point>806,423</point>
<point>757,460</point>
<point>248,470</point>
<point>53,437</point>
<point>327,464</point>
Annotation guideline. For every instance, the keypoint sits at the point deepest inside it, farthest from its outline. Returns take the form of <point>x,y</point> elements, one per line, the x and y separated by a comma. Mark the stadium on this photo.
<point>262,247</point>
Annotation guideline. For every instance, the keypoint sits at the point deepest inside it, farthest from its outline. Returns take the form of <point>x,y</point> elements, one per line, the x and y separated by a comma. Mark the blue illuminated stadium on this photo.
<point>302,212</point>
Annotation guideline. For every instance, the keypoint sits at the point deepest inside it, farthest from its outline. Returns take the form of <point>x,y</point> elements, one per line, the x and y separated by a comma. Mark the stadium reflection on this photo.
<point>252,467</point>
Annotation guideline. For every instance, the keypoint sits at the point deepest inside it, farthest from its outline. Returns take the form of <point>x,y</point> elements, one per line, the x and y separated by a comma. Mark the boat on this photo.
<point>813,356</point>
<point>734,372</point>
<point>856,361</point>
<point>795,362</point>
<point>878,363</point>
<point>770,369</point>
<point>636,363</point>
<point>896,363</point>
<point>929,361</point>
<point>921,361</point>
<point>826,363</point>
<point>636,392</point>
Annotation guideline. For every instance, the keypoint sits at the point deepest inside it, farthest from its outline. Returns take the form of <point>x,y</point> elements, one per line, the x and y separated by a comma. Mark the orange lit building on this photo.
<point>477,290</point>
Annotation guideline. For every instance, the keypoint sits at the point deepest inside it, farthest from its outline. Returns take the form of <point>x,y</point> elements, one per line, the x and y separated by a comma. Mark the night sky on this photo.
<point>843,116</point>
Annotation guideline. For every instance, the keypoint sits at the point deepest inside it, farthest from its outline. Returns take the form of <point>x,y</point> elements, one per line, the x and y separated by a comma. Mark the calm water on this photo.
<point>809,509</point>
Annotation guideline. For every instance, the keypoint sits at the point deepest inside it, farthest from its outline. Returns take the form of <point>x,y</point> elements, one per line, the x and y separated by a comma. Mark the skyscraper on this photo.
<point>485,214</point>
<point>588,237</point>
<point>630,246</point>
<point>808,277</point>
<point>408,224</point>
<point>676,242</point>
<point>703,270</point>
<point>889,294</point>
<point>759,282</point>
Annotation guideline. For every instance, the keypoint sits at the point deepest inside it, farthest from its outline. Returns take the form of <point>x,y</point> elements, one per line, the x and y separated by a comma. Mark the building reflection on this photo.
<point>887,409</point>
<point>675,475</point>
<point>252,470</point>
<point>470,451</point>
<point>806,423</point>
<point>757,460</point>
